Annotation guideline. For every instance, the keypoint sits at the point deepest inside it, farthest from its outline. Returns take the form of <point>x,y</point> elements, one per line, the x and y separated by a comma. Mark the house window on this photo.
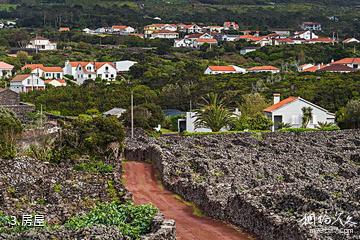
<point>107,68</point>
<point>37,81</point>
<point>356,66</point>
<point>28,81</point>
<point>106,75</point>
<point>112,75</point>
<point>89,76</point>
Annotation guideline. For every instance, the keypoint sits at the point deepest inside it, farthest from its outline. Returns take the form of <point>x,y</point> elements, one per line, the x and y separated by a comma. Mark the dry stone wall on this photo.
<point>263,183</point>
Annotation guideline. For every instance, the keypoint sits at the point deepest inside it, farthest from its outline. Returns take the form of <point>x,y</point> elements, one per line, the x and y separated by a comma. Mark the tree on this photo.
<point>307,116</point>
<point>213,113</point>
<point>22,56</point>
<point>146,116</point>
<point>252,104</point>
<point>349,116</point>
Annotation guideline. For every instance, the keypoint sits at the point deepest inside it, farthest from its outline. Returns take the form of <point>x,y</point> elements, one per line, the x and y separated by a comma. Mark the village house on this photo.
<point>217,29</point>
<point>289,111</point>
<point>201,41</point>
<point>230,38</point>
<point>5,70</point>
<point>350,62</point>
<point>311,68</point>
<point>45,72</point>
<point>194,40</point>
<point>230,26</point>
<point>122,29</point>
<point>213,70</point>
<point>26,83</point>
<point>192,28</point>
<point>261,69</point>
<point>164,34</point>
<point>82,71</point>
<point>149,29</point>
<point>320,40</point>
<point>307,35</point>
<point>312,26</point>
<point>41,44</point>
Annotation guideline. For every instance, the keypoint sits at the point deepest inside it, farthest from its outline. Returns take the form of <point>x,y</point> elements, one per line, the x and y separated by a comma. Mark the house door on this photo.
<point>277,121</point>
<point>182,125</point>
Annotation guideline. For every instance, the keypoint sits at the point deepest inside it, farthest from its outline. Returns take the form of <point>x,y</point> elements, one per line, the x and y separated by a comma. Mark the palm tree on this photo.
<point>213,113</point>
<point>307,116</point>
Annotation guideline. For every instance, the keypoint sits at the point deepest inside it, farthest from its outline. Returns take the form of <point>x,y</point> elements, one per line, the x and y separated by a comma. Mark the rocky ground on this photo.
<point>31,187</point>
<point>266,183</point>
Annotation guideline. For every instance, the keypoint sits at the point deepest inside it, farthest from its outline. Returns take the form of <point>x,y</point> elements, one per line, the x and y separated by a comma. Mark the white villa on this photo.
<point>122,29</point>
<point>41,44</point>
<point>5,70</point>
<point>82,71</point>
<point>45,72</point>
<point>26,83</point>
<point>289,111</point>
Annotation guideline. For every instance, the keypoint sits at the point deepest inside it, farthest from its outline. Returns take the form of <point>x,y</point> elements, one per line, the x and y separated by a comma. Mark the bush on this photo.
<point>96,166</point>
<point>10,127</point>
<point>131,220</point>
<point>258,122</point>
<point>146,116</point>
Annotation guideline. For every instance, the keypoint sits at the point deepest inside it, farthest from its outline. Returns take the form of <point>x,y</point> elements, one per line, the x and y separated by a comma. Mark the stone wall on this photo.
<point>21,111</point>
<point>262,183</point>
<point>8,97</point>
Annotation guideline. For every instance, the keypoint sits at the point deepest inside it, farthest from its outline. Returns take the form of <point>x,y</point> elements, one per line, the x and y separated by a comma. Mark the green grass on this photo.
<point>195,209</point>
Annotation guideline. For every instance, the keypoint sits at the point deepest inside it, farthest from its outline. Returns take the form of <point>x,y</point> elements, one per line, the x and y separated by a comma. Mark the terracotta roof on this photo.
<point>264,68</point>
<point>320,40</point>
<point>314,68</point>
<point>281,104</point>
<point>6,66</point>
<point>206,40</point>
<point>194,35</point>
<point>64,29</point>
<point>58,80</point>
<point>20,77</point>
<point>32,66</point>
<point>75,64</point>
<point>348,61</point>
<point>120,27</point>
<point>222,68</point>
<point>337,68</point>
<point>52,69</point>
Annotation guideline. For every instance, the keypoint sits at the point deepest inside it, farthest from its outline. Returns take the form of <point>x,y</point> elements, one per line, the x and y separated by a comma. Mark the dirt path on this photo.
<point>141,181</point>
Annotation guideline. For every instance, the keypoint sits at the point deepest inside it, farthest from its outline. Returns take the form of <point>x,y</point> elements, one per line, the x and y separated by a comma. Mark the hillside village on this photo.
<point>191,120</point>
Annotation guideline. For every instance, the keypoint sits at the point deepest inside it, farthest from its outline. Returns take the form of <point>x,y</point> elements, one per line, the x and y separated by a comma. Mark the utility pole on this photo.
<point>132,114</point>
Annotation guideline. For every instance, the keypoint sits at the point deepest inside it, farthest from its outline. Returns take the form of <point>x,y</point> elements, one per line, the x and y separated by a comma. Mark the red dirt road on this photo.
<point>141,181</point>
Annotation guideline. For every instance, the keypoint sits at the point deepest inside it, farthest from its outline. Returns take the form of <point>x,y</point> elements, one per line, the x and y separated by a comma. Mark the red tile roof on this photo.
<point>337,68</point>
<point>52,69</point>
<point>348,61</point>
<point>264,68</point>
<point>314,68</point>
<point>42,67</point>
<point>20,77</point>
<point>119,27</point>
<point>206,40</point>
<point>281,104</point>
<point>222,68</point>
<point>6,66</point>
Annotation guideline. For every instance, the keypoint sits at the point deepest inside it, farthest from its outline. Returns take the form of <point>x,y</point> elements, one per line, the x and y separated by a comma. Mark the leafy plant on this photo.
<point>132,220</point>
<point>307,116</point>
<point>213,114</point>
<point>94,166</point>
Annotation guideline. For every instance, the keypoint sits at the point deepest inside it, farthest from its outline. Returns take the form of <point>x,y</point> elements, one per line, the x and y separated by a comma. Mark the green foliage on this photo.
<point>307,116</point>
<point>213,114</point>
<point>258,122</point>
<point>172,122</point>
<point>94,166</point>
<point>131,220</point>
<point>349,116</point>
<point>326,126</point>
<point>297,130</point>
<point>252,104</point>
<point>10,127</point>
<point>147,116</point>
<point>41,152</point>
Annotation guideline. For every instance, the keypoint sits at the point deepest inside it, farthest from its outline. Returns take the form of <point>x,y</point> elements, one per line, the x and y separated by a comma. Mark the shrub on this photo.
<point>131,220</point>
<point>10,127</point>
<point>258,122</point>
<point>146,116</point>
<point>96,166</point>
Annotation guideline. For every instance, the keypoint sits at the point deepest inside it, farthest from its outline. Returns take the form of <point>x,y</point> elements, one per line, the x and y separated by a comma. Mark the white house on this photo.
<point>289,111</point>
<point>41,44</point>
<point>201,41</point>
<point>213,28</point>
<point>82,71</point>
<point>45,72</point>
<point>350,62</point>
<point>230,38</point>
<point>5,70</point>
<point>164,34</point>
<point>124,66</point>
<point>231,26</point>
<point>192,28</point>
<point>26,83</point>
<point>122,29</point>
<point>313,26</point>
<point>260,69</point>
<point>185,42</point>
<point>214,70</point>
<point>307,35</point>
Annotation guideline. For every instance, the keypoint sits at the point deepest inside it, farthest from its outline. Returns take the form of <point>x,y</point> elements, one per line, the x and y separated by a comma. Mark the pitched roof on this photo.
<point>281,104</point>
<point>321,40</point>
<point>348,61</point>
<point>119,27</point>
<point>52,69</point>
<point>337,68</point>
<point>64,29</point>
<point>314,68</point>
<point>264,68</point>
<point>20,77</point>
<point>42,67</point>
<point>222,68</point>
<point>206,40</point>
<point>6,66</point>
<point>194,35</point>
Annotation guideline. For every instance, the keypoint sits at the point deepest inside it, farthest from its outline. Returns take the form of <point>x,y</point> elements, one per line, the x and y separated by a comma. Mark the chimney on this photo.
<point>276,98</point>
